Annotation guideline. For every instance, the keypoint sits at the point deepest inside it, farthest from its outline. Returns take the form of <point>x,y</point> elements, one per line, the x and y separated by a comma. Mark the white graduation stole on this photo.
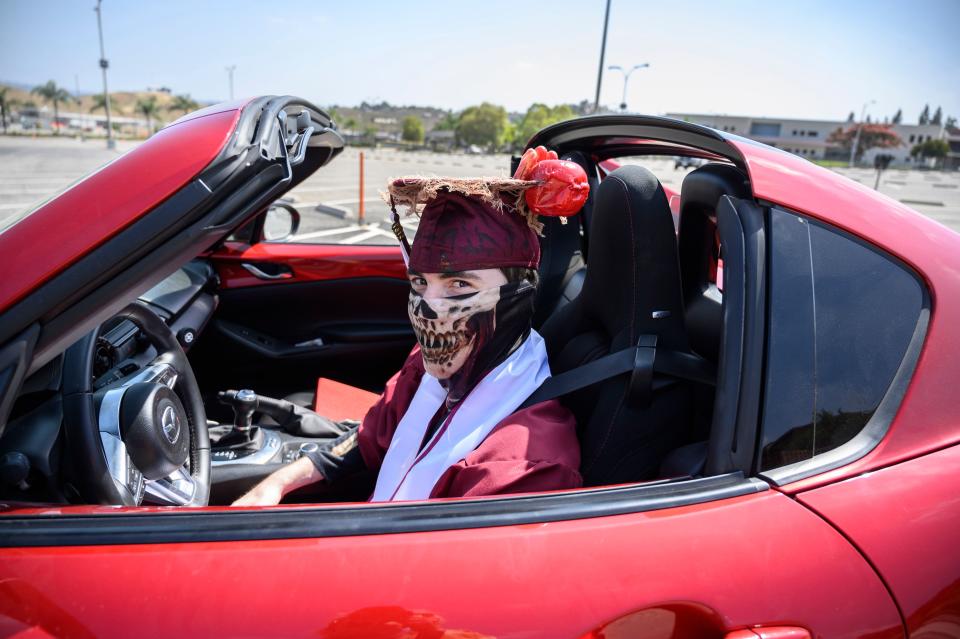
<point>407,473</point>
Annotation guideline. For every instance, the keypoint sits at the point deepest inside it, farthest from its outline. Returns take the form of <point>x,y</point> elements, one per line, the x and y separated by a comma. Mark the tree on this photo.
<point>412,129</point>
<point>99,102</point>
<point>482,125</point>
<point>149,108</point>
<point>447,123</point>
<point>585,107</point>
<point>350,124</point>
<point>937,149</point>
<point>183,103</point>
<point>924,115</point>
<point>937,116</point>
<point>5,104</point>
<point>539,116</point>
<point>852,117</point>
<point>50,92</point>
<point>871,136</point>
<point>951,122</point>
<point>898,116</point>
<point>510,133</point>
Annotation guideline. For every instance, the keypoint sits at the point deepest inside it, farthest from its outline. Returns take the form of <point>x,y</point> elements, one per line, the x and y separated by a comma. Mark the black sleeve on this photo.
<point>340,457</point>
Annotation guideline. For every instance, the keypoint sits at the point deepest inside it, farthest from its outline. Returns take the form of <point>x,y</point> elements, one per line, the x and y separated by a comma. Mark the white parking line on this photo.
<point>42,177</point>
<point>27,192</point>
<point>306,188</point>
<point>34,184</point>
<point>328,232</point>
<point>372,233</point>
<point>352,201</point>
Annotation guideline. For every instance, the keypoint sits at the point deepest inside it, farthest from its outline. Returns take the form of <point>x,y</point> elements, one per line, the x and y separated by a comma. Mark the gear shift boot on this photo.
<point>245,435</point>
<point>242,442</point>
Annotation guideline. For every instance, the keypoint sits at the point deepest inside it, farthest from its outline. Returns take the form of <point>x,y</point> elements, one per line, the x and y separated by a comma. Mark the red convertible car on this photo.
<point>807,476</point>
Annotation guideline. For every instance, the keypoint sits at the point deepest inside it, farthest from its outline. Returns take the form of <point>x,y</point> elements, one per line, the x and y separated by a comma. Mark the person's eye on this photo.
<point>462,284</point>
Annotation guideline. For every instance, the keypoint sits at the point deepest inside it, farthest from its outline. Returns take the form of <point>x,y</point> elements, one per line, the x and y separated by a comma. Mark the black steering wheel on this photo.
<point>142,437</point>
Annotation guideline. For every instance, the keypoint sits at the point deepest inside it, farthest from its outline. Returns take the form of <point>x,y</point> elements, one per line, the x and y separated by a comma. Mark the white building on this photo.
<point>42,118</point>
<point>808,138</point>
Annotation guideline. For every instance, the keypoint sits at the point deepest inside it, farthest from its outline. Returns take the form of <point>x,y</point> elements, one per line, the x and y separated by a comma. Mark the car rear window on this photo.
<point>841,316</point>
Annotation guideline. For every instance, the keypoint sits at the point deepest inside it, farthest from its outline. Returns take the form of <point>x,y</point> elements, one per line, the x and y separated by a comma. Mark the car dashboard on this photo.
<point>185,300</point>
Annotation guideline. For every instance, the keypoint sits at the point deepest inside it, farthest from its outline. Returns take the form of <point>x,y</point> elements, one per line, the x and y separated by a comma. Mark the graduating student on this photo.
<point>449,423</point>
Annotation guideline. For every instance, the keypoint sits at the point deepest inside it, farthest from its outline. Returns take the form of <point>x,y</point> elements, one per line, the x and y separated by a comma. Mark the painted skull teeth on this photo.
<point>441,341</point>
<point>439,348</point>
<point>443,328</point>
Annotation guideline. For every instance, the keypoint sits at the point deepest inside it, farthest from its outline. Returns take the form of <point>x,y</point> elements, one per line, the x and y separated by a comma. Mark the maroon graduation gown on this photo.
<point>533,449</point>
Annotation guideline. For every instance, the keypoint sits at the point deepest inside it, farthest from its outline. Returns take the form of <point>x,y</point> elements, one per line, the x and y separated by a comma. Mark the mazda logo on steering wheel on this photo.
<point>170,422</point>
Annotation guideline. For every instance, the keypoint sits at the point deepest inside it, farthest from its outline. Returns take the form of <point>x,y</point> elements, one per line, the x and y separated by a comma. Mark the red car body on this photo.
<point>864,549</point>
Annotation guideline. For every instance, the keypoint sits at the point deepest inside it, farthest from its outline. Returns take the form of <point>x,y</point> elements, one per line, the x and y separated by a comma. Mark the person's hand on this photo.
<point>271,490</point>
<point>266,493</point>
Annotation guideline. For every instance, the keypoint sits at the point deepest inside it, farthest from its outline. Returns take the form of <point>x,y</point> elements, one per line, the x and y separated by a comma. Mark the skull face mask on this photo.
<point>447,328</point>
<point>464,336</point>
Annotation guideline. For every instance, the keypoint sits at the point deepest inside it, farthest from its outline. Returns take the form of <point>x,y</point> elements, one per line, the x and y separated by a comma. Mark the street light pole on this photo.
<point>603,50</point>
<point>111,143</point>
<point>626,78</point>
<point>230,71</point>
<point>856,138</point>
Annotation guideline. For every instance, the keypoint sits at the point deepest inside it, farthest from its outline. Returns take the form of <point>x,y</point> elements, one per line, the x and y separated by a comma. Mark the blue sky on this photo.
<point>816,59</point>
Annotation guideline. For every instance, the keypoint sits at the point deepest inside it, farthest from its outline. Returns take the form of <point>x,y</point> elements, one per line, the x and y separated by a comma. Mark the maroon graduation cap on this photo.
<point>477,223</point>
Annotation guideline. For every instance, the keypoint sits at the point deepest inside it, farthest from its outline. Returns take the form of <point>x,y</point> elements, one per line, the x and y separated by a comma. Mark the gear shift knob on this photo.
<point>243,407</point>
<point>244,403</point>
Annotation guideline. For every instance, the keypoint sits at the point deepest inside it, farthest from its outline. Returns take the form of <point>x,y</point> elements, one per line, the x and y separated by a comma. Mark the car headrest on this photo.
<point>559,244</point>
<point>696,240</point>
<point>632,284</point>
<point>593,179</point>
<point>703,187</point>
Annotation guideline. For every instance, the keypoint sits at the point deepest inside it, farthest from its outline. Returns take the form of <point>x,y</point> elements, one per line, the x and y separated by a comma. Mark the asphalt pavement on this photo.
<point>33,170</point>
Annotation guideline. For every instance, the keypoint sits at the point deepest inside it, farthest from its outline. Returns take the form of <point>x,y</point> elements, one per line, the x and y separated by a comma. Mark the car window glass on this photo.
<point>329,201</point>
<point>10,218</point>
<point>841,318</point>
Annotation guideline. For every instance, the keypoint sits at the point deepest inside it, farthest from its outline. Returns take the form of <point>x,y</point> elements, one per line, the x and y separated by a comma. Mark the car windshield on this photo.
<point>12,214</point>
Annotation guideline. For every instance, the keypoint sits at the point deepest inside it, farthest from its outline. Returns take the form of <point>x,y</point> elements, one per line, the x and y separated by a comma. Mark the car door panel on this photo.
<point>290,313</point>
<point>306,262</point>
<point>701,570</point>
<point>906,519</point>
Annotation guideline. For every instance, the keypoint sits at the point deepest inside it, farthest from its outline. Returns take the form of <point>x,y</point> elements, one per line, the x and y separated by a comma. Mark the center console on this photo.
<point>247,442</point>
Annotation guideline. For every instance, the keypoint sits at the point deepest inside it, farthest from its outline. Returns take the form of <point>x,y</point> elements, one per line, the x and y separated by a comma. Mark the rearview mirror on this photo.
<point>281,222</point>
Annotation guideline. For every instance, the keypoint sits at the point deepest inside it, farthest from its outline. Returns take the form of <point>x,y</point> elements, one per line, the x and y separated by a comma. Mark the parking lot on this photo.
<point>31,170</point>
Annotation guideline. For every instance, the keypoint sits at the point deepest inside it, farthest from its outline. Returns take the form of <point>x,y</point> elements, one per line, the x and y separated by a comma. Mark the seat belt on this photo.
<point>642,361</point>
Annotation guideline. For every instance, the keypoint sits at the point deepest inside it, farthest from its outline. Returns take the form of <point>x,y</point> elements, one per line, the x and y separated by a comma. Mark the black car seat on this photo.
<point>697,246</point>
<point>631,289</point>
<point>562,267</point>
<point>699,195</point>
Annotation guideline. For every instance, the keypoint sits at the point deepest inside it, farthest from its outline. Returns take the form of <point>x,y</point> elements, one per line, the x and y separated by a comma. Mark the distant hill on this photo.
<point>384,116</point>
<point>123,103</point>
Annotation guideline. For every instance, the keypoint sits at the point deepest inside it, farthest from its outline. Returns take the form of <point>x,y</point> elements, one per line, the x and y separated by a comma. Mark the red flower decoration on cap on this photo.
<point>562,185</point>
